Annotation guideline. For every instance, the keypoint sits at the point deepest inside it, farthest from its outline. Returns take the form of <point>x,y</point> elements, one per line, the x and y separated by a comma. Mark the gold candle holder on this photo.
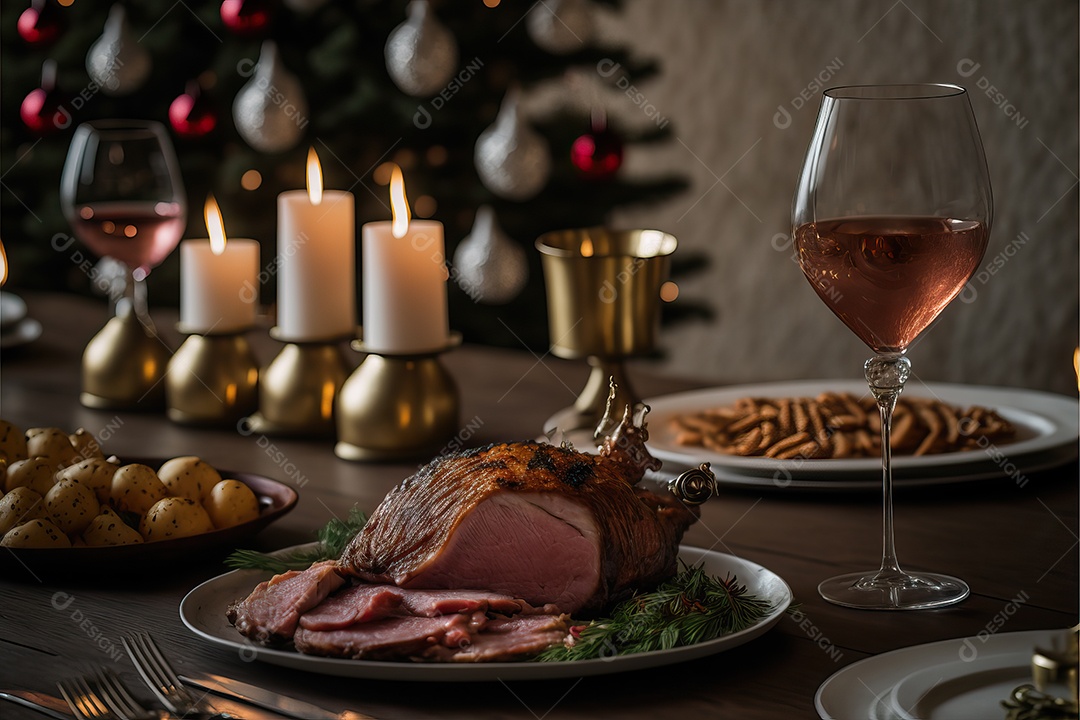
<point>212,379</point>
<point>603,297</point>
<point>396,407</point>
<point>299,388</point>
<point>123,365</point>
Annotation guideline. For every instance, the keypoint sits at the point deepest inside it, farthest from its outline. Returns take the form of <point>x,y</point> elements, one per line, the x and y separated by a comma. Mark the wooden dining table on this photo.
<point>1016,546</point>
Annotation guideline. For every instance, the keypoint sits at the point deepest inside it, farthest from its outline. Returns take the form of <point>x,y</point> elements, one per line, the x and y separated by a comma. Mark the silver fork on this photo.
<point>102,696</point>
<point>162,680</point>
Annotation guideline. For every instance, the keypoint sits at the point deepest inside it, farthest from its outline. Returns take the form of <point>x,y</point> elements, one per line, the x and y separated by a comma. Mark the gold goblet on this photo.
<point>603,298</point>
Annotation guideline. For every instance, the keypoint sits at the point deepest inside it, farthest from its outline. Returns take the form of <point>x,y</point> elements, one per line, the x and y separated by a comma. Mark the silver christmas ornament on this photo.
<point>489,266</point>
<point>421,53</point>
<point>116,61</point>
<point>512,160</point>
<point>271,111</point>
<point>560,26</point>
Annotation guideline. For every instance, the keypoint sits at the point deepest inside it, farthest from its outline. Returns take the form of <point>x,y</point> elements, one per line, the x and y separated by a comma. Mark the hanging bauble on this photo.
<point>597,154</point>
<point>421,54</point>
<point>117,62</point>
<point>271,111</point>
<point>560,26</point>
<point>44,110</point>
<point>41,23</point>
<point>489,266</point>
<point>512,160</point>
<point>304,6</point>
<point>246,18</point>
<point>192,115</point>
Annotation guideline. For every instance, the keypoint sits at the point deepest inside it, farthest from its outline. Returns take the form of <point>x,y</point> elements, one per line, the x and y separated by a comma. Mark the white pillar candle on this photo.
<point>316,261</point>
<point>217,278</point>
<point>404,282</point>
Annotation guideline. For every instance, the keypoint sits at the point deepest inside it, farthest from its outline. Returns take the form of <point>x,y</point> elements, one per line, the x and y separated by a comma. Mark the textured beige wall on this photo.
<point>729,66</point>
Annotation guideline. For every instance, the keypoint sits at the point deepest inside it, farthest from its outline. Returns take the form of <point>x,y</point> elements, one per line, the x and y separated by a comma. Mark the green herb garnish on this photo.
<point>333,538</point>
<point>690,608</point>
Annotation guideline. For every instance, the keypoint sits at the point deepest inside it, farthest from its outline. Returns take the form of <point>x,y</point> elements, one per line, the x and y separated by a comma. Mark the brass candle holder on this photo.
<point>212,379</point>
<point>397,407</point>
<point>299,388</point>
<point>603,298</point>
<point>123,365</point>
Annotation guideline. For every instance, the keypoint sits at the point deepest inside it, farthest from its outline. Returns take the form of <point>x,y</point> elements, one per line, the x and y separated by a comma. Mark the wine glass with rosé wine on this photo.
<point>123,195</point>
<point>891,219</point>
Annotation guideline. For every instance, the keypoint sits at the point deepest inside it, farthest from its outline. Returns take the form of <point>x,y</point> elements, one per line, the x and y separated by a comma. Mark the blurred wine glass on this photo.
<point>122,193</point>
<point>891,219</point>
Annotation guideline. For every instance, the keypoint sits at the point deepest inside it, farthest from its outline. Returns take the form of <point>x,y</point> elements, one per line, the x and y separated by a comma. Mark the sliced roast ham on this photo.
<point>355,604</point>
<point>431,603</point>
<point>531,520</point>
<point>393,637</point>
<point>272,611</point>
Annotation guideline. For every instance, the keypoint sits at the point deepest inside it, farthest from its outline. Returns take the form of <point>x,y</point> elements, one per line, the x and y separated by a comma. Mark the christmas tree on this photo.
<point>360,103</point>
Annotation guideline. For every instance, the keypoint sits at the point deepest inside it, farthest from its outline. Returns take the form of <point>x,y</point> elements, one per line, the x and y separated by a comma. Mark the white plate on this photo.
<point>203,611</point>
<point>864,689</point>
<point>957,691</point>
<point>1048,428</point>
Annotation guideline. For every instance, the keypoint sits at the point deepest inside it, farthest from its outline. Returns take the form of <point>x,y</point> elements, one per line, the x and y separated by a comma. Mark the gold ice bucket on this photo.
<point>603,299</point>
<point>603,289</point>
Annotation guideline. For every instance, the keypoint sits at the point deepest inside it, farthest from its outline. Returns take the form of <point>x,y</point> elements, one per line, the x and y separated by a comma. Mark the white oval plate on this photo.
<point>1048,427</point>
<point>864,689</point>
<point>203,611</point>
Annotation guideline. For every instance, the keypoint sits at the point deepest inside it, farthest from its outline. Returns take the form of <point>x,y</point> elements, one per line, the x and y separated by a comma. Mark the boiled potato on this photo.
<point>85,444</point>
<point>189,477</point>
<point>94,473</point>
<point>52,443</point>
<point>174,517</point>
<point>18,506</point>
<point>71,505</point>
<point>108,529</point>
<point>40,533</point>
<point>232,502</point>
<point>35,473</point>
<point>12,442</point>
<point>136,487</point>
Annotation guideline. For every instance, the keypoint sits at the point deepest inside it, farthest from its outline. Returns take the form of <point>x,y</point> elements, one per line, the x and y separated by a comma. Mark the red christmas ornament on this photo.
<point>192,115</point>
<point>246,18</point>
<point>44,111</point>
<point>597,154</point>
<point>41,23</point>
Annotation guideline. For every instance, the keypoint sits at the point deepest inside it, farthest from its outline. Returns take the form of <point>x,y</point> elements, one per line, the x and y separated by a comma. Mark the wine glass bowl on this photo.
<point>122,193</point>
<point>890,220</point>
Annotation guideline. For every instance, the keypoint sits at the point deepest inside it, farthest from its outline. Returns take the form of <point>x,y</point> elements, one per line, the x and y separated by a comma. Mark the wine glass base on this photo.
<point>879,590</point>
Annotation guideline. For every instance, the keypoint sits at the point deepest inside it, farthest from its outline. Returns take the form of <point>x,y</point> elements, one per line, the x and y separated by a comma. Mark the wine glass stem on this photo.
<point>886,375</point>
<point>135,295</point>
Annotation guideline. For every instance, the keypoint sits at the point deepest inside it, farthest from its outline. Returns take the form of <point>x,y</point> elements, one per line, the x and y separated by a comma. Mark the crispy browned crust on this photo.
<point>639,531</point>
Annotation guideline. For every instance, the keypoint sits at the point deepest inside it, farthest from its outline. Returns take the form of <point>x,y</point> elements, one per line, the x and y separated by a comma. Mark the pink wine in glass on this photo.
<point>138,234</point>
<point>887,278</point>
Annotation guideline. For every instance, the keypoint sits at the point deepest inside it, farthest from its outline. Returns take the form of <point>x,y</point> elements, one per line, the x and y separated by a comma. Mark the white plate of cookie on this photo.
<point>825,434</point>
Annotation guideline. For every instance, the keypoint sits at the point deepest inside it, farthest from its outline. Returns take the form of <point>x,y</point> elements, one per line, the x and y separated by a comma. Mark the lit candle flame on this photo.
<point>1076,359</point>
<point>314,177</point>
<point>586,248</point>
<point>399,205</point>
<point>214,225</point>
<point>3,264</point>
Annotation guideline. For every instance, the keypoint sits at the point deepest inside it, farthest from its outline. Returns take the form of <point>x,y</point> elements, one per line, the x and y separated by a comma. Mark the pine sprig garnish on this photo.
<point>690,608</point>
<point>333,537</point>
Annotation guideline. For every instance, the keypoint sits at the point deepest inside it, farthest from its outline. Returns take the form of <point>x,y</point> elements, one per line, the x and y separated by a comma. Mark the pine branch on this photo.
<point>690,608</point>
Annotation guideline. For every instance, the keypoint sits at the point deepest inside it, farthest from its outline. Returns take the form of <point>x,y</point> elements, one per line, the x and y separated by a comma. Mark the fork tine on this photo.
<point>82,700</point>
<point>162,663</point>
<point>93,700</point>
<point>117,696</point>
<point>74,700</point>
<point>147,671</point>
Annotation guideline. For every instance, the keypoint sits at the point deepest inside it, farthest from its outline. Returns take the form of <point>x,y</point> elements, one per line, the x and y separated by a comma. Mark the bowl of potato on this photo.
<point>66,505</point>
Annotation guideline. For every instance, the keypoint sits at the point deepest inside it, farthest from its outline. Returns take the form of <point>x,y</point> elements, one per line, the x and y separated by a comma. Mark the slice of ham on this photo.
<point>506,639</point>
<point>392,637</point>
<point>271,612</point>
<point>355,604</point>
<point>432,603</point>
